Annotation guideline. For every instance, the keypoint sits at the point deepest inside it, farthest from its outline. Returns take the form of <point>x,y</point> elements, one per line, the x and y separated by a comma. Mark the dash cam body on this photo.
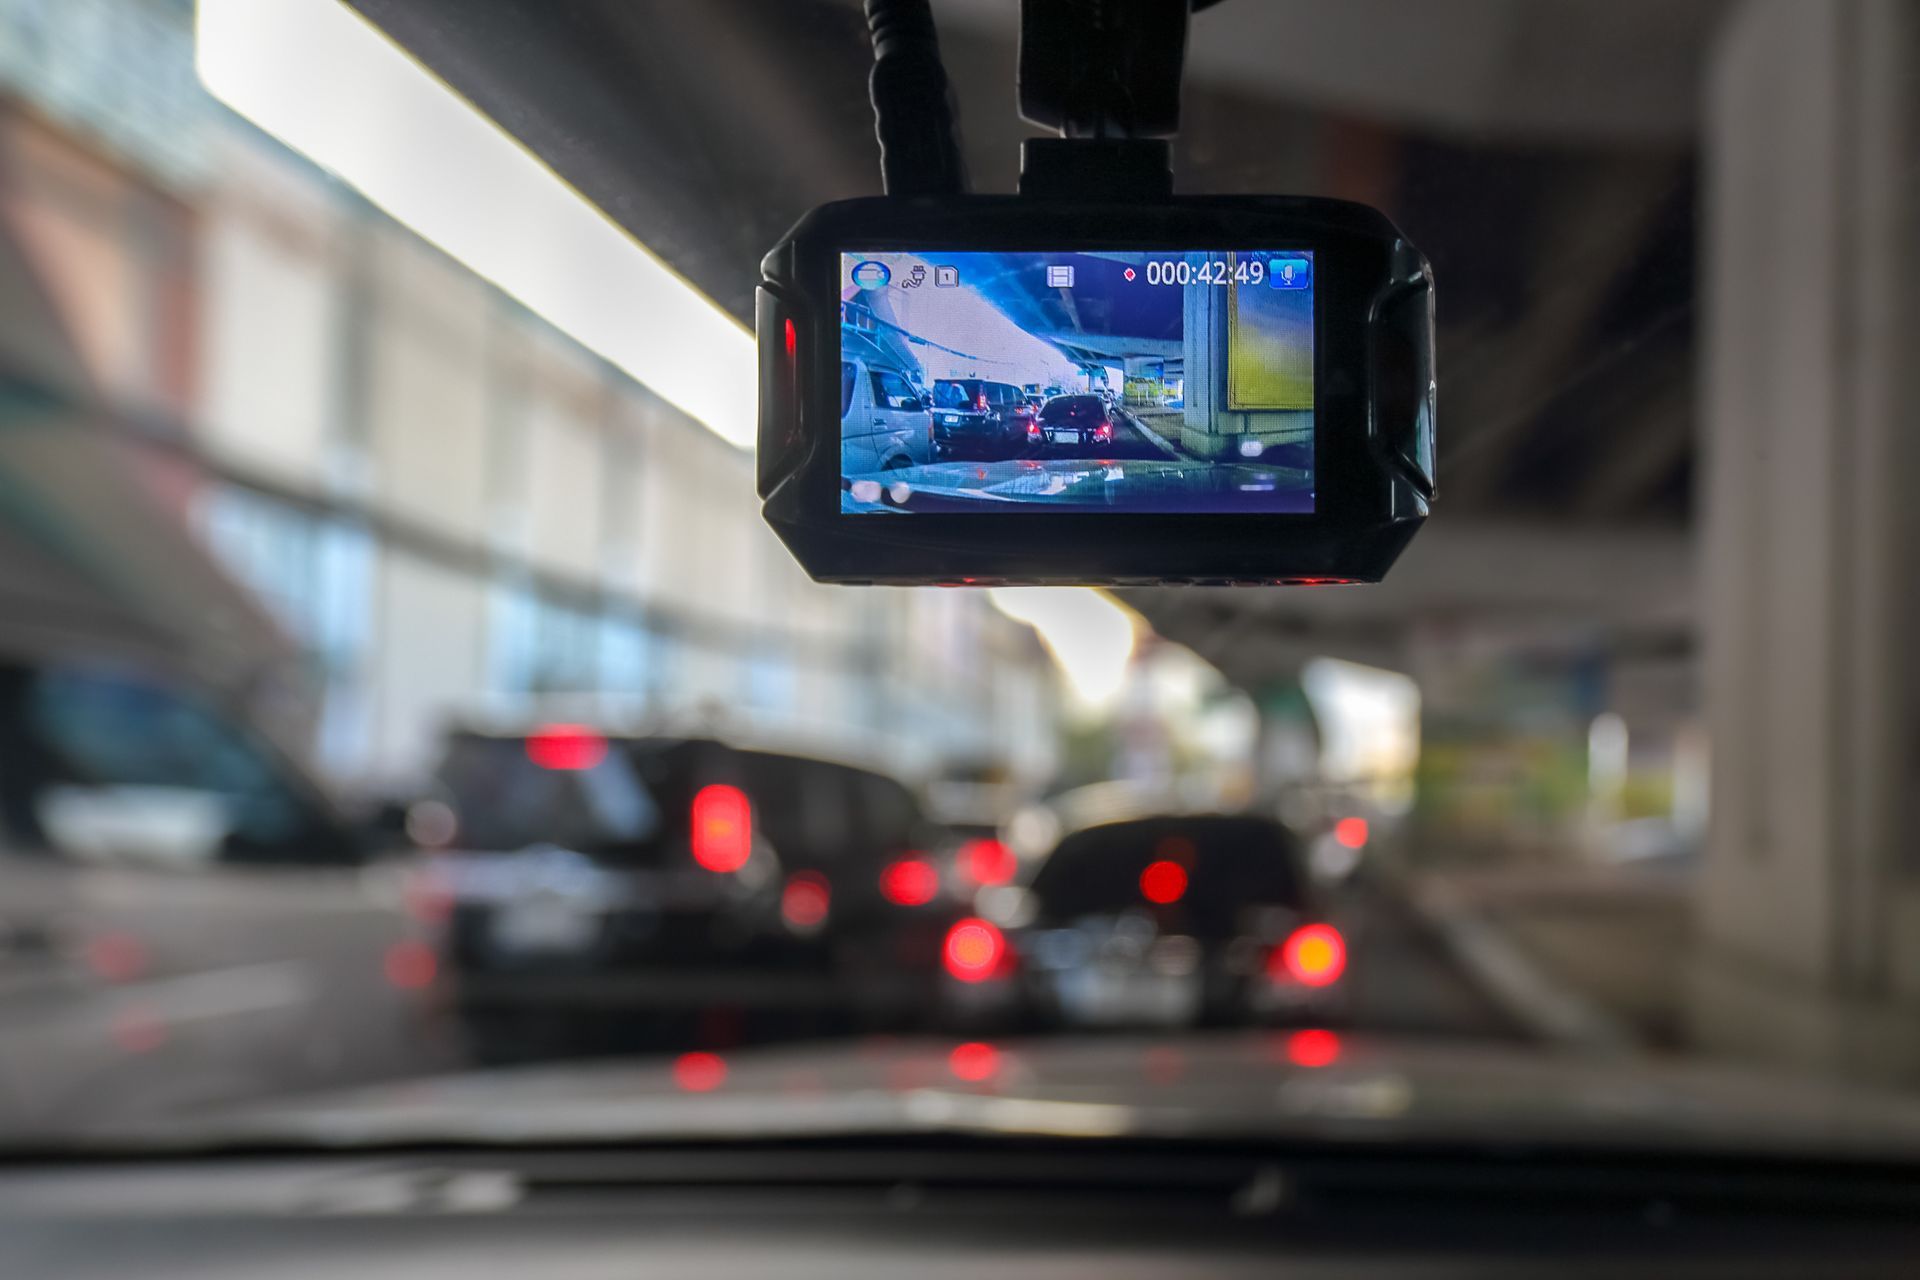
<point>1002,389</point>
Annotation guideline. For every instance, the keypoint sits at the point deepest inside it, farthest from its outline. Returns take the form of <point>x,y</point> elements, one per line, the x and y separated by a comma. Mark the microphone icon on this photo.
<point>1290,272</point>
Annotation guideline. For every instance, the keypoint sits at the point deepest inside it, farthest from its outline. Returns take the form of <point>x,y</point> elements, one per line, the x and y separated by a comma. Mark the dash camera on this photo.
<point>1003,389</point>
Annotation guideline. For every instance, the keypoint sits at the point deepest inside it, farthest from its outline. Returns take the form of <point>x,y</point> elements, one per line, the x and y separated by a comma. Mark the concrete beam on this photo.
<point>1594,70</point>
<point>1586,586</point>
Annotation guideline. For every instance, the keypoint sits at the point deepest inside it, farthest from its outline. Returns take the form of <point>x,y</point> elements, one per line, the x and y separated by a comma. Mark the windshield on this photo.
<point>397,676</point>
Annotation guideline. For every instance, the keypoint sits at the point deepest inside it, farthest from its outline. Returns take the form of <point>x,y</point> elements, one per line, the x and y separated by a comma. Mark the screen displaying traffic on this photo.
<point>1153,382</point>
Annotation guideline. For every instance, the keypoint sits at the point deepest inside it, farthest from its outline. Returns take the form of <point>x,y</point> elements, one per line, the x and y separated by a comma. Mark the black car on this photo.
<point>1171,921</point>
<point>1086,420</point>
<point>974,417</point>
<point>681,874</point>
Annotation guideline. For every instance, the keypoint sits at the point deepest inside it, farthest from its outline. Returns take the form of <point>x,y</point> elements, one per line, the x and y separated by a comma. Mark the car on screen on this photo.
<point>669,874</point>
<point>1167,921</point>
<point>1038,395</point>
<point>884,424</point>
<point>978,418</point>
<point>1081,420</point>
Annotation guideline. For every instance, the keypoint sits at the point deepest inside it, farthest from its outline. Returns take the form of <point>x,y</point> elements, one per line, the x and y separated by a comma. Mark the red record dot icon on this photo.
<point>1128,273</point>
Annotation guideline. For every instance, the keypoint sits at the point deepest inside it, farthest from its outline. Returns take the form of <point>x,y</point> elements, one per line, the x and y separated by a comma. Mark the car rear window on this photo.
<point>814,813</point>
<point>1231,864</point>
<point>505,802</point>
<point>818,814</point>
<point>949,394</point>
<point>802,807</point>
<point>1071,407</point>
<point>889,815</point>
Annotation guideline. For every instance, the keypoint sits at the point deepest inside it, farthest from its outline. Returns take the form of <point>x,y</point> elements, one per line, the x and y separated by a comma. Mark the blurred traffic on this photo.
<point>189,917</point>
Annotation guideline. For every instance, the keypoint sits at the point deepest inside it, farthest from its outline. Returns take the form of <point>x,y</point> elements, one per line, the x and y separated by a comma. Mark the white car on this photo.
<point>884,422</point>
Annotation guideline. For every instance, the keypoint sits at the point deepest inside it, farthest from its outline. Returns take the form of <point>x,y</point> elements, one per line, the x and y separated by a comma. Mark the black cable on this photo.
<point>913,115</point>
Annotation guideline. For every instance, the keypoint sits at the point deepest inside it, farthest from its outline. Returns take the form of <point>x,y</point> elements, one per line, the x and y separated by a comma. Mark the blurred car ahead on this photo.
<point>975,417</point>
<point>1084,420</point>
<point>1037,395</point>
<point>184,915</point>
<point>670,875</point>
<point>1170,921</point>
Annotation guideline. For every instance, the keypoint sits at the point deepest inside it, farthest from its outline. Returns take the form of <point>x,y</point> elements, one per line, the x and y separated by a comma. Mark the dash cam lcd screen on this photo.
<point>1152,382</point>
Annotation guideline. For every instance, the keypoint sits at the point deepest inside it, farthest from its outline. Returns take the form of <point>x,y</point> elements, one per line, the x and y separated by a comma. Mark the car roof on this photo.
<point>1198,819</point>
<point>764,747</point>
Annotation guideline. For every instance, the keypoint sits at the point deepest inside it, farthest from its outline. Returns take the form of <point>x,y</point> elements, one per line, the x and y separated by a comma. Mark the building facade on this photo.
<point>451,510</point>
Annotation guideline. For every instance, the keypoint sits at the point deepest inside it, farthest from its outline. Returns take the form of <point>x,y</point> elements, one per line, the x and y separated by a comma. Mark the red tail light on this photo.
<point>974,1061</point>
<point>1033,430</point>
<point>699,1072</point>
<point>988,862</point>
<point>1313,1047</point>
<point>117,957</point>
<point>410,965</point>
<point>805,901</point>
<point>722,834</point>
<point>910,882</point>
<point>974,950</point>
<point>566,746</point>
<point>1314,956</point>
<point>1163,882</point>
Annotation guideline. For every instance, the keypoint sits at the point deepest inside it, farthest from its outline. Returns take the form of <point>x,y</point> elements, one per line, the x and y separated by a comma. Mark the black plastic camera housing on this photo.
<point>1373,439</point>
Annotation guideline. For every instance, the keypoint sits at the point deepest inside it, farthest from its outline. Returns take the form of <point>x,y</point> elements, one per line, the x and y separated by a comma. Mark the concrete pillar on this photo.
<point>1277,339</point>
<point>1810,895</point>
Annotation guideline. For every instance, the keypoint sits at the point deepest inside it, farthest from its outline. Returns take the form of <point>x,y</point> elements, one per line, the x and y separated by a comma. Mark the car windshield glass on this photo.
<point>506,795</point>
<point>400,676</point>
<point>1214,869</point>
<point>1072,407</point>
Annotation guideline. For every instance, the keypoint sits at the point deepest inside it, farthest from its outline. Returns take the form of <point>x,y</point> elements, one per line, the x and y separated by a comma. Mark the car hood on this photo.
<point>1315,1085</point>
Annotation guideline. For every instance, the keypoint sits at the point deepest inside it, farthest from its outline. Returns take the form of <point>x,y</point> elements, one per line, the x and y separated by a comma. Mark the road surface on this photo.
<point>1403,979</point>
<point>77,1051</point>
<point>1137,471</point>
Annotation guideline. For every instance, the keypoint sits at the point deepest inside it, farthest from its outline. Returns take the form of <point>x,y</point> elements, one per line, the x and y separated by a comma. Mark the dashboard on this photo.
<point>884,1209</point>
